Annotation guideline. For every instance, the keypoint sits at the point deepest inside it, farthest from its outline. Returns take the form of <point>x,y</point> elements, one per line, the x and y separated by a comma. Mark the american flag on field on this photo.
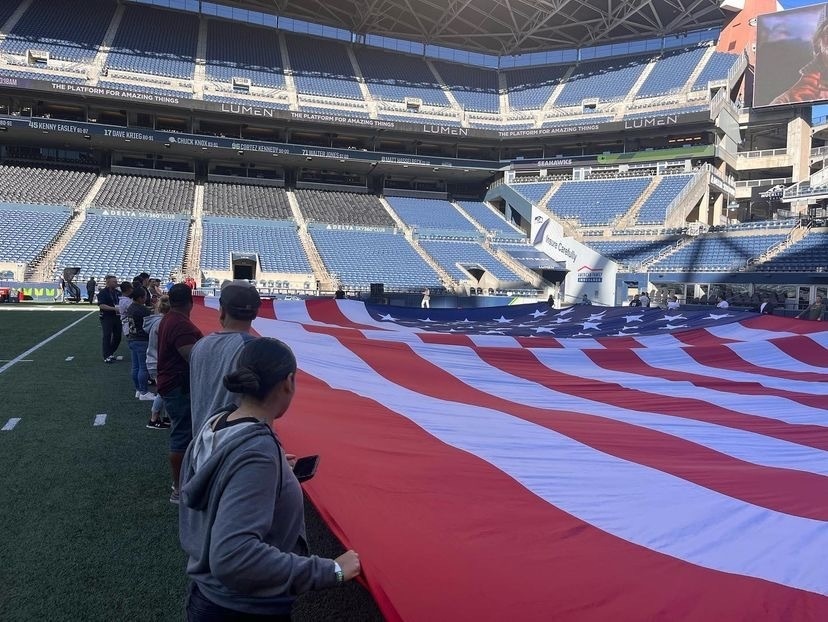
<point>585,464</point>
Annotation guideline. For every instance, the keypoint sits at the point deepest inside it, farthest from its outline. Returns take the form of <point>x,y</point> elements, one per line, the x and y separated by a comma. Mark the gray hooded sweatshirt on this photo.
<point>242,523</point>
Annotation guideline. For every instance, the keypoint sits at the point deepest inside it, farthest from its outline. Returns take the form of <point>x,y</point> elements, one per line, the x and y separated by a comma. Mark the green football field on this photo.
<point>86,528</point>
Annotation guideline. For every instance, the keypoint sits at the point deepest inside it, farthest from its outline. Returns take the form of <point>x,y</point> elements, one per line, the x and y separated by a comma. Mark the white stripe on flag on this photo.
<point>494,341</point>
<point>676,359</point>
<point>580,343</point>
<point>357,312</point>
<point>10,424</point>
<point>658,341</point>
<point>625,499</point>
<point>759,353</point>
<point>293,311</point>
<point>579,365</point>
<point>99,420</point>
<point>464,364</point>
<point>737,331</point>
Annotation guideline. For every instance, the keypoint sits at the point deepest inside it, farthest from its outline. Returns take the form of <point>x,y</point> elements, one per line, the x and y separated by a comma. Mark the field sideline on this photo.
<point>87,530</point>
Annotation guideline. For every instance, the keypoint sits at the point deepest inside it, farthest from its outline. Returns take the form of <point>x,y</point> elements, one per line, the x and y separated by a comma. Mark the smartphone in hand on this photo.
<point>305,468</point>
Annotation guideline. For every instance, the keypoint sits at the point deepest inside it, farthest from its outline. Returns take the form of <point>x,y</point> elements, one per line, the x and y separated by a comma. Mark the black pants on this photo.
<point>200,609</point>
<point>111,332</point>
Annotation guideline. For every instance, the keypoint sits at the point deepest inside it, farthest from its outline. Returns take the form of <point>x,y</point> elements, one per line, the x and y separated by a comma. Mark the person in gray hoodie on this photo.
<point>241,517</point>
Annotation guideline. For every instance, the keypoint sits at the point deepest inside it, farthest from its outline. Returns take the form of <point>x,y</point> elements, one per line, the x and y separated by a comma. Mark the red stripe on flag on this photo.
<point>725,358</point>
<point>782,490</point>
<point>326,310</point>
<point>538,342</point>
<point>619,342</point>
<point>700,337</point>
<point>448,339</point>
<point>783,324</point>
<point>524,365</point>
<point>803,349</point>
<point>422,514</point>
<point>624,361</point>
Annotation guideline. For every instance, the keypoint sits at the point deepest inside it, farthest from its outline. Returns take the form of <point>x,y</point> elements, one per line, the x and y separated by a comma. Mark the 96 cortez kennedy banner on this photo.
<point>792,57</point>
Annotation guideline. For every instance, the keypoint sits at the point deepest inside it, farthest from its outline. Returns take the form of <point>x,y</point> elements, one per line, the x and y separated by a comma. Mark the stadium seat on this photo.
<point>28,230</point>
<point>451,253</point>
<point>276,243</point>
<point>342,208</point>
<point>432,216</point>
<point>125,246</point>
<point>147,194</point>
<point>359,258</point>
<point>246,201</point>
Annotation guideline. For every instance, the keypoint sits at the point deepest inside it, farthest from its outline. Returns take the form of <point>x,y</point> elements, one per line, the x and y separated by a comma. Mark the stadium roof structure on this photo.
<point>503,27</point>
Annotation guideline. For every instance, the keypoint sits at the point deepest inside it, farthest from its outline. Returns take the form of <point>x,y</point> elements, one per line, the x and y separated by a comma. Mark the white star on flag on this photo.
<point>502,320</point>
<point>596,316</point>
<point>670,318</point>
<point>544,329</point>
<point>562,320</point>
<point>633,318</point>
<point>716,316</point>
<point>588,325</point>
<point>428,319</point>
<point>496,331</point>
<point>673,327</point>
<point>538,313</point>
<point>388,318</point>
<point>566,311</point>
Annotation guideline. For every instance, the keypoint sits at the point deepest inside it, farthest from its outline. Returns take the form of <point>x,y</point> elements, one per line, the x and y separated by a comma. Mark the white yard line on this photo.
<point>23,356</point>
<point>10,424</point>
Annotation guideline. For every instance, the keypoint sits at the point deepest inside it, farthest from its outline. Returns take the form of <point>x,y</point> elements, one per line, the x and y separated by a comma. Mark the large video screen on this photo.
<point>792,57</point>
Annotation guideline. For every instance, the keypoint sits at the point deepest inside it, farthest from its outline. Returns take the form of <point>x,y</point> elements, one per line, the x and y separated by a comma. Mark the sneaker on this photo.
<point>119,358</point>
<point>155,425</point>
<point>109,359</point>
<point>137,394</point>
<point>166,424</point>
<point>174,497</point>
<point>145,397</point>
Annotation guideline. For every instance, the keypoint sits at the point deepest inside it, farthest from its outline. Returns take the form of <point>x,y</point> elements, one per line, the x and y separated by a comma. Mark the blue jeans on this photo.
<point>177,404</point>
<point>139,365</point>
<point>201,609</point>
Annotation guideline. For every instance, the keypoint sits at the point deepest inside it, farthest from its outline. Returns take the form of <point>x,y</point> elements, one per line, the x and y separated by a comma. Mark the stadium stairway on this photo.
<point>195,235</point>
<point>106,45</point>
<point>531,277</point>
<point>14,18</point>
<point>448,282</point>
<point>320,271</point>
<point>645,265</point>
<point>455,105</point>
<point>630,217</point>
<point>200,71</point>
<point>698,70</point>
<point>550,103</point>
<point>363,87</point>
<point>44,269</point>
<point>290,83</point>
<point>798,232</point>
<point>474,221</point>
<point>681,207</point>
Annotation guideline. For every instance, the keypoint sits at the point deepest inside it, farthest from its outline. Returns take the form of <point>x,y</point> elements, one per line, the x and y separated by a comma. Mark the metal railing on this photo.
<point>762,153</point>
<point>756,183</point>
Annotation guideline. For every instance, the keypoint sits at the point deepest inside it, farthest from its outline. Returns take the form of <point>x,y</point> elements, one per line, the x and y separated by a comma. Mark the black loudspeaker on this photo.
<point>377,290</point>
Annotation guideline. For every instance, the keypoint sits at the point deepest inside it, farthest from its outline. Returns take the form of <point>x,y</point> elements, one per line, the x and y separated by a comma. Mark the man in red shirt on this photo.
<point>176,337</point>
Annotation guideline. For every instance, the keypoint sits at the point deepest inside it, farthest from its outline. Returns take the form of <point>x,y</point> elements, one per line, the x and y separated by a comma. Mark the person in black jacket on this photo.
<point>111,330</point>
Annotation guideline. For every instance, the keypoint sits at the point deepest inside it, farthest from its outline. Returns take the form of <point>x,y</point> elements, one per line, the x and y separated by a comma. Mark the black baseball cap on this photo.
<point>240,300</point>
